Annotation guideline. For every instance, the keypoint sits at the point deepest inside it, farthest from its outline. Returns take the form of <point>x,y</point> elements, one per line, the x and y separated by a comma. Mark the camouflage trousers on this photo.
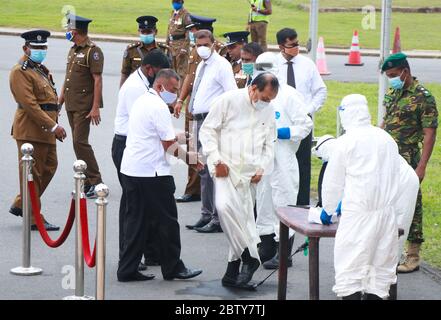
<point>413,156</point>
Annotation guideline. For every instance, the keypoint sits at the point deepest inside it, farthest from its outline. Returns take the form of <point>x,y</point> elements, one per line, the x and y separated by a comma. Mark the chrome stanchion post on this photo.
<point>79,167</point>
<point>102,192</point>
<point>26,269</point>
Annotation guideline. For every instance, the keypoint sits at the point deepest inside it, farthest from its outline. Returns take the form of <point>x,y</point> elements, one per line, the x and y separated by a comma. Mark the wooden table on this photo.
<point>296,218</point>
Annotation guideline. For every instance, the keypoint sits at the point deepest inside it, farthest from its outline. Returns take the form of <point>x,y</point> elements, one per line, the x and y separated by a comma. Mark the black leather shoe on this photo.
<point>91,194</point>
<point>211,227</point>
<point>247,272</point>
<point>202,222</point>
<point>137,277</point>
<point>142,267</point>
<point>188,198</point>
<point>16,211</point>
<point>267,248</point>
<point>185,274</point>
<point>47,226</point>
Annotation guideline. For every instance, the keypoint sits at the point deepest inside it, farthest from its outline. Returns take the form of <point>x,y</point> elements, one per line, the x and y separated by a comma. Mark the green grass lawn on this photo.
<point>325,123</point>
<point>418,31</point>
<point>376,3</point>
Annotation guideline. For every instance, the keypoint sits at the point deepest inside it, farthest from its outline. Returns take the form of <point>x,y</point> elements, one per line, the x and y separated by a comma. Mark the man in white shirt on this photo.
<point>214,76</point>
<point>149,185</point>
<point>135,86</point>
<point>238,139</point>
<point>301,73</point>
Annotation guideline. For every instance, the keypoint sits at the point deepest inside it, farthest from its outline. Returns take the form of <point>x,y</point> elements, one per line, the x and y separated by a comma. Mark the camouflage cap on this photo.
<point>393,61</point>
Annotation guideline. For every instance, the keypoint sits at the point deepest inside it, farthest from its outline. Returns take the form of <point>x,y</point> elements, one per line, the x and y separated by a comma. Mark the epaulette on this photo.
<point>24,65</point>
<point>424,91</point>
<point>133,45</point>
<point>162,45</point>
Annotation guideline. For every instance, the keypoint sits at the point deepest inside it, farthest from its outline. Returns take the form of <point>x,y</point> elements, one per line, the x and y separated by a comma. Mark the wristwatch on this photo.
<point>179,101</point>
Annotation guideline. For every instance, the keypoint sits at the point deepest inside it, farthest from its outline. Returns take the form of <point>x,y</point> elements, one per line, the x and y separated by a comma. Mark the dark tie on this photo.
<point>291,79</point>
<point>196,86</point>
<point>250,79</point>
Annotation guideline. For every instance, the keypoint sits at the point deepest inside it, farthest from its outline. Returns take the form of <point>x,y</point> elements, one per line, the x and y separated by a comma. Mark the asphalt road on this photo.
<point>208,252</point>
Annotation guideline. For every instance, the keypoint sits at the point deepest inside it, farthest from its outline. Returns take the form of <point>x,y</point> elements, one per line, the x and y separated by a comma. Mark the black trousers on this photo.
<point>304,159</point>
<point>147,199</point>
<point>151,248</point>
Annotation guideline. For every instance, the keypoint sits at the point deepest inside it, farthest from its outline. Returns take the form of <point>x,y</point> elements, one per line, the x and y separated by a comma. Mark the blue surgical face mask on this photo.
<point>147,38</point>
<point>37,55</point>
<point>69,36</point>
<point>177,6</point>
<point>396,83</point>
<point>248,68</point>
<point>191,37</point>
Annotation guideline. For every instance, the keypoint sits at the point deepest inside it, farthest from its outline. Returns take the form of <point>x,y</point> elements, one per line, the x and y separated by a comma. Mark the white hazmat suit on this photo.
<point>363,172</point>
<point>280,188</point>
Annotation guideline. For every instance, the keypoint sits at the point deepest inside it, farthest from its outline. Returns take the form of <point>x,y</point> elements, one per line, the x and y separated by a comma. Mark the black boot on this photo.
<point>230,277</point>
<point>354,296</point>
<point>370,296</point>
<point>267,247</point>
<point>249,266</point>
<point>274,262</point>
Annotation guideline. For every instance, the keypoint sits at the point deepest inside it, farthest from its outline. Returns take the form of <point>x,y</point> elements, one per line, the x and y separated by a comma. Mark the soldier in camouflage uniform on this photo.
<point>193,188</point>
<point>177,38</point>
<point>411,119</point>
<point>235,43</point>
<point>136,51</point>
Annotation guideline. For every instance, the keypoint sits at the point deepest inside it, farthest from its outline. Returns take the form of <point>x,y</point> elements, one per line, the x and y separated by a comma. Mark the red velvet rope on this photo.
<point>40,224</point>
<point>88,258</point>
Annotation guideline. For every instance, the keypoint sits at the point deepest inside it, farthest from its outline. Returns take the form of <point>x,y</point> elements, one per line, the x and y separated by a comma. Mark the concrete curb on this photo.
<point>423,54</point>
<point>433,272</point>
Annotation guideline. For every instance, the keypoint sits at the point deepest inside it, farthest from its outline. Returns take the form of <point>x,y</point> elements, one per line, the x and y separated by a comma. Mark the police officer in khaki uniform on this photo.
<point>36,117</point>
<point>136,51</point>
<point>177,38</point>
<point>82,92</point>
<point>235,43</point>
<point>193,188</point>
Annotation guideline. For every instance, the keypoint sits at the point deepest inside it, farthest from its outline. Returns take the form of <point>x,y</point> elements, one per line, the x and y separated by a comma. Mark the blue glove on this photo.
<point>338,210</point>
<point>325,218</point>
<point>284,133</point>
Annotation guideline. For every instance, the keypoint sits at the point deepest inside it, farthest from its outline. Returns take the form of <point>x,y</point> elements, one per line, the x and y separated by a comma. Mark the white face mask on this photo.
<point>204,52</point>
<point>260,105</point>
<point>168,97</point>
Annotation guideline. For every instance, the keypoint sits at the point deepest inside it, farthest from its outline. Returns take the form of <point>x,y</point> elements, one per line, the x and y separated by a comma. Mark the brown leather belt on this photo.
<point>177,37</point>
<point>45,107</point>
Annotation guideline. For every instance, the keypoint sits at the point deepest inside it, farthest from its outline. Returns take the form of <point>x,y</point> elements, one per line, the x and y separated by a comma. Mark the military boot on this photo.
<point>412,262</point>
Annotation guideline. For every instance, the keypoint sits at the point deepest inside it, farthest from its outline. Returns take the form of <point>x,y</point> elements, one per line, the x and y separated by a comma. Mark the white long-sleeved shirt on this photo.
<point>135,86</point>
<point>217,79</point>
<point>239,135</point>
<point>308,80</point>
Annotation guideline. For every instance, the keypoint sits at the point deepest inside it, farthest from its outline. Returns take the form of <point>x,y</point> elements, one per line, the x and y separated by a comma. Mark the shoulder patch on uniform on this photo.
<point>133,45</point>
<point>24,66</point>
<point>96,56</point>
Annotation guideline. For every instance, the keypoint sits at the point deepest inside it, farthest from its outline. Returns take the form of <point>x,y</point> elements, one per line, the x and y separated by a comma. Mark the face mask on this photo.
<point>204,52</point>
<point>191,37</point>
<point>396,83</point>
<point>69,36</point>
<point>168,97</point>
<point>292,51</point>
<point>38,56</point>
<point>248,68</point>
<point>177,6</point>
<point>260,105</point>
<point>147,38</point>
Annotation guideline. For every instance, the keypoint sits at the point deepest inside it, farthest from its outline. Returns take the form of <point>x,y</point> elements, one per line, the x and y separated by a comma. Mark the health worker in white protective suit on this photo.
<point>364,173</point>
<point>280,188</point>
<point>408,188</point>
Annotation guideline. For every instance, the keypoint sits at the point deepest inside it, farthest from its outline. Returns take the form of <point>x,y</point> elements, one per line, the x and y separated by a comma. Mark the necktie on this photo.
<point>196,86</point>
<point>250,79</point>
<point>291,79</point>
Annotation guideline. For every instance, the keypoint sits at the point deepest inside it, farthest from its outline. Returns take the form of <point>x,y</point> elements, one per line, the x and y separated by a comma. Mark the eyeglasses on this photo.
<point>295,45</point>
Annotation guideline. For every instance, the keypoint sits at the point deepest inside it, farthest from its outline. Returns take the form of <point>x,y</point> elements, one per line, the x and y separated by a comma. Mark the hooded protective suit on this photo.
<point>363,172</point>
<point>408,188</point>
<point>280,188</point>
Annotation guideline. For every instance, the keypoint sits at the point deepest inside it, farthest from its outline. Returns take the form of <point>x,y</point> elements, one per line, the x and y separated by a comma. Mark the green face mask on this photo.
<point>248,68</point>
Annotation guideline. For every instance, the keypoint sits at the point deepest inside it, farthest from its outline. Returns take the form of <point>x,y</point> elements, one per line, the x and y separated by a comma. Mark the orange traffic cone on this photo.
<point>397,41</point>
<point>322,66</point>
<point>355,55</point>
